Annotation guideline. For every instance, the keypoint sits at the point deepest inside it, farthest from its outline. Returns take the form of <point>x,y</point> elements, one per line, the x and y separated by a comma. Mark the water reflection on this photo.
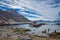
<point>42,30</point>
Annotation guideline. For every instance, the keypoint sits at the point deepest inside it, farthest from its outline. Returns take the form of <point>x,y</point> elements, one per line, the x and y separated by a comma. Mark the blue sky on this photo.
<point>36,9</point>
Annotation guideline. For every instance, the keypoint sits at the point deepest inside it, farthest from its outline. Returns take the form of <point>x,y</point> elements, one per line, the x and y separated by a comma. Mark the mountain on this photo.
<point>43,21</point>
<point>12,16</point>
<point>25,11</point>
<point>42,11</point>
<point>47,21</point>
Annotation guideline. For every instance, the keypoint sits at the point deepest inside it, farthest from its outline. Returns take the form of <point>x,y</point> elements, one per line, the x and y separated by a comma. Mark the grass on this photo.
<point>21,30</point>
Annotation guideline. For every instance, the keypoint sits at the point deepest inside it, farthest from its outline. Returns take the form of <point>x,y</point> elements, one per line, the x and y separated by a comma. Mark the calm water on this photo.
<point>38,30</point>
<point>41,28</point>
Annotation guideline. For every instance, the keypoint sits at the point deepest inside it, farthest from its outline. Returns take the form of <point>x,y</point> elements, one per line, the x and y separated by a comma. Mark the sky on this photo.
<point>36,9</point>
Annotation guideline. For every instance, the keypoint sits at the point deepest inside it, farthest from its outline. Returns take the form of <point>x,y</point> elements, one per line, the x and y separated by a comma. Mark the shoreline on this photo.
<point>20,33</point>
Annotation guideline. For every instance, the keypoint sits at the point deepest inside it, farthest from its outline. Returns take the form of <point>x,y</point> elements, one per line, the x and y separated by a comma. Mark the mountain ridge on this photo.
<point>12,16</point>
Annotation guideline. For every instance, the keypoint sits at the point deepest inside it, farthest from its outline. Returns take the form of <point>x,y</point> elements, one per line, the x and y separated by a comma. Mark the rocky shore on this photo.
<point>21,34</point>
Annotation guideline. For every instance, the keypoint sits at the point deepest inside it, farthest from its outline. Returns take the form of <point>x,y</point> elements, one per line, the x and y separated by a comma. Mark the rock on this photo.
<point>21,39</point>
<point>29,39</point>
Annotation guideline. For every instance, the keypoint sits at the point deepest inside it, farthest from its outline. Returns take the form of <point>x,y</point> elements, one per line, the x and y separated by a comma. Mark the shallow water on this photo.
<point>38,30</point>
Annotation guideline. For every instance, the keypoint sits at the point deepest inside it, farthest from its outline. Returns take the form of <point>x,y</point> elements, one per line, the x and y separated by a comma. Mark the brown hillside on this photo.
<point>11,16</point>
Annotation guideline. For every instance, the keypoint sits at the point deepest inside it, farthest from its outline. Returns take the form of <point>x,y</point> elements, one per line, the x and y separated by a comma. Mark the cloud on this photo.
<point>48,8</point>
<point>27,14</point>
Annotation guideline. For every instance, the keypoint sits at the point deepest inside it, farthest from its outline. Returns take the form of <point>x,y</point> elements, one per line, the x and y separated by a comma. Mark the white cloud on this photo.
<point>42,6</point>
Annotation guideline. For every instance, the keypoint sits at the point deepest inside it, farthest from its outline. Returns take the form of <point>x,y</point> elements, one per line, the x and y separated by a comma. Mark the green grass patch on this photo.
<point>21,30</point>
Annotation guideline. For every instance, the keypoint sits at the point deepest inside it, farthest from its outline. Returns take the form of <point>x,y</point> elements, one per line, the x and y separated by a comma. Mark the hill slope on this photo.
<point>12,16</point>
